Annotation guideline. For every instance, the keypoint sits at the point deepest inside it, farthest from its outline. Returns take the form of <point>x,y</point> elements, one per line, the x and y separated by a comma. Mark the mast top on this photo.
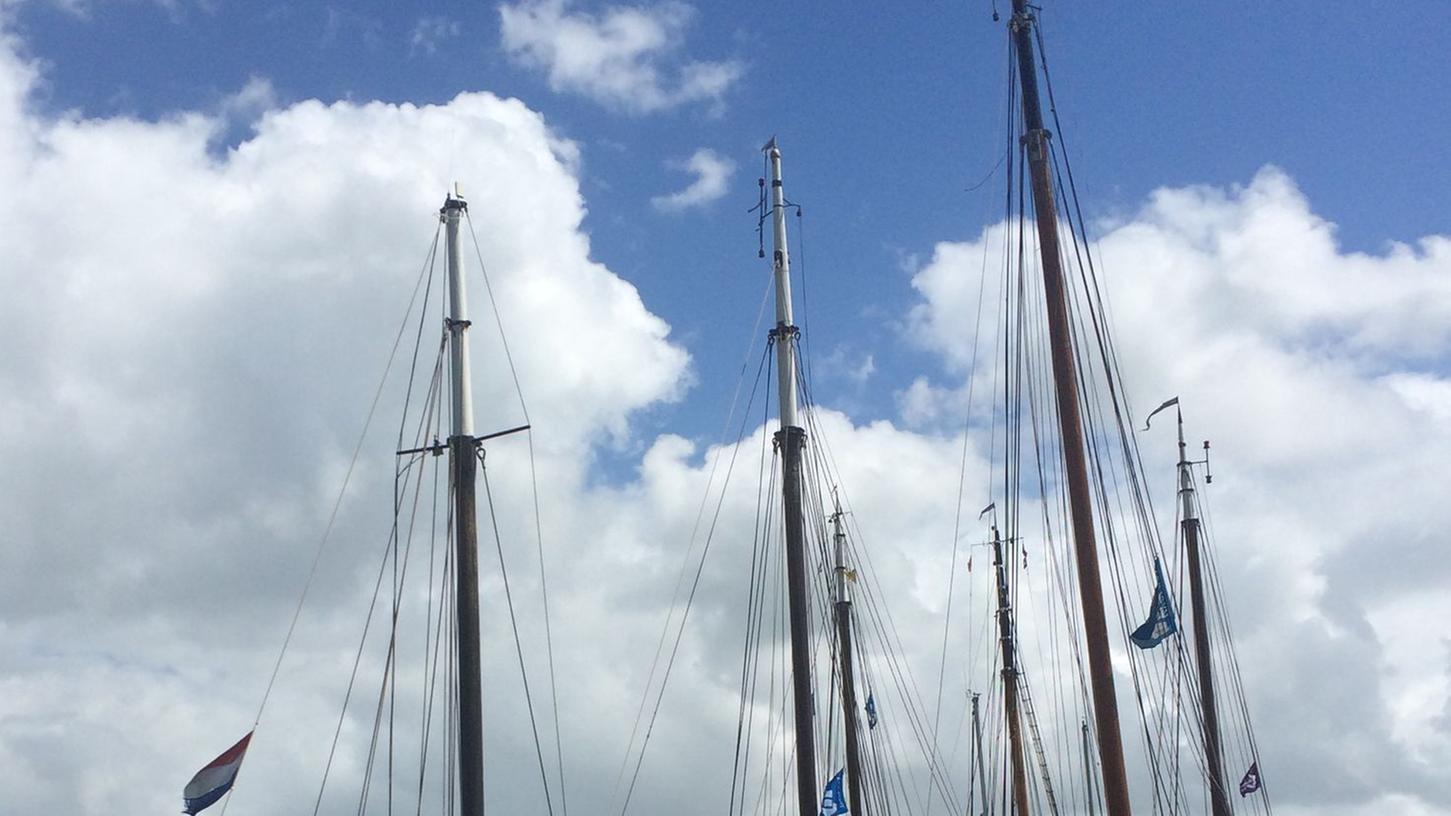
<point>454,199</point>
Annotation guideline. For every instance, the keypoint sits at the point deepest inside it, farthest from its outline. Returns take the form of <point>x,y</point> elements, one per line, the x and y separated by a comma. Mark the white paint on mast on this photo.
<point>785,325</point>
<point>458,320</point>
<point>843,575</point>
<point>1186,478</point>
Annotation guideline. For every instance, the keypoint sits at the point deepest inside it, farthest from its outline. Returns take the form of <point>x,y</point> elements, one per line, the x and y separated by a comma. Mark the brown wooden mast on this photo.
<point>1065,377</point>
<point>1203,658</point>
<point>463,448</point>
<point>848,670</point>
<point>1016,760</point>
<point>790,440</point>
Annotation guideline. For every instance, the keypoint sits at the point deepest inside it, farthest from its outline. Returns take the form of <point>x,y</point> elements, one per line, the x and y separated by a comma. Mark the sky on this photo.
<point>214,212</point>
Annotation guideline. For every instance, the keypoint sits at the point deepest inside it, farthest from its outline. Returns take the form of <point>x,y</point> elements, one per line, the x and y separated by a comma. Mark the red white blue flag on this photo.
<point>212,782</point>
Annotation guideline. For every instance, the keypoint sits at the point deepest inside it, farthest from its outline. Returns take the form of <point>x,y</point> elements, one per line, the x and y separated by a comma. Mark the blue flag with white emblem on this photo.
<point>871,711</point>
<point>1251,781</point>
<point>833,801</point>
<point>1161,622</point>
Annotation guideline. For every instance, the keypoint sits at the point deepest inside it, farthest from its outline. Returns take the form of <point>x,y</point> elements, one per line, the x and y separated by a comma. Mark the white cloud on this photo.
<point>1322,378</point>
<point>712,179</point>
<point>623,58</point>
<point>429,32</point>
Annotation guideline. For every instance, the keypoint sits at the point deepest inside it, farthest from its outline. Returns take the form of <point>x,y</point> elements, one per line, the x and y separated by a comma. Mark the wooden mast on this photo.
<point>1203,659</point>
<point>978,759</point>
<point>463,449</point>
<point>1016,759</point>
<point>848,672</point>
<point>790,440</point>
<point>1065,378</point>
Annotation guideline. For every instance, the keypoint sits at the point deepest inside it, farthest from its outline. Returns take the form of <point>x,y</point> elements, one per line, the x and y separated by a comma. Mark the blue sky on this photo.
<point>886,119</point>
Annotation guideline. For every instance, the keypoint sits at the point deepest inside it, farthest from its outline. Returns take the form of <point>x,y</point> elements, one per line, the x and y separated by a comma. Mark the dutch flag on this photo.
<point>212,782</point>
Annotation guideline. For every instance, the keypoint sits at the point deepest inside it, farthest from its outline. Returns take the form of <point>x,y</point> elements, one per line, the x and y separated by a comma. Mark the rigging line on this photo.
<point>907,682</point>
<point>342,491</point>
<point>755,615</point>
<point>538,523</point>
<point>690,599</point>
<point>514,625</point>
<point>695,528</point>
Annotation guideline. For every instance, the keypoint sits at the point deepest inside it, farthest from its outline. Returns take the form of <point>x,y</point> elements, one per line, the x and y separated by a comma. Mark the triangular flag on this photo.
<point>1251,781</point>
<point>833,801</point>
<point>212,782</point>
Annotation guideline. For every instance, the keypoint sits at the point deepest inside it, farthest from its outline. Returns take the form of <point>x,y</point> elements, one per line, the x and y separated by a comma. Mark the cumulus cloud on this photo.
<point>624,58</point>
<point>226,318</point>
<point>712,179</point>
<point>1321,377</point>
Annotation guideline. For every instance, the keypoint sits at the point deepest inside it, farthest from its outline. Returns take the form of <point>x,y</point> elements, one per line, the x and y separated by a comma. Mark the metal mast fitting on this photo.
<point>1065,378</point>
<point>790,440</point>
<point>463,450</point>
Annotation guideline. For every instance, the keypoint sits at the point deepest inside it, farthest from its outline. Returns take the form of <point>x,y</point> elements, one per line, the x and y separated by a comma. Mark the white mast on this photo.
<point>458,321</point>
<point>785,351</point>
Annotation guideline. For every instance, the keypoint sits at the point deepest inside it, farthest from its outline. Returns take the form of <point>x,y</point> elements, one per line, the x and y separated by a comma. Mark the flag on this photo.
<point>212,782</point>
<point>871,711</point>
<point>833,801</point>
<point>1161,622</point>
<point>1251,781</point>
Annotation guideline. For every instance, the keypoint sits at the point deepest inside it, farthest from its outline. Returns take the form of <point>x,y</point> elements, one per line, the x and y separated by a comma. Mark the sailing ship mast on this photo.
<point>1213,757</point>
<point>1065,378</point>
<point>463,448</point>
<point>789,440</point>
<point>1010,681</point>
<point>848,672</point>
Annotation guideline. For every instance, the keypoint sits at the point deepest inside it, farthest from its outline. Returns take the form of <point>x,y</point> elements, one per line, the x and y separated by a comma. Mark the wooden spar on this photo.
<point>1203,659</point>
<point>978,759</point>
<point>463,450</point>
<point>855,804</point>
<point>1065,378</point>
<point>1016,759</point>
<point>790,440</point>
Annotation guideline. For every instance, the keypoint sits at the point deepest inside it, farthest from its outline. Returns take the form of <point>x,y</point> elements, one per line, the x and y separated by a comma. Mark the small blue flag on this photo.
<point>833,801</point>
<point>1251,781</point>
<point>1161,622</point>
<point>871,711</point>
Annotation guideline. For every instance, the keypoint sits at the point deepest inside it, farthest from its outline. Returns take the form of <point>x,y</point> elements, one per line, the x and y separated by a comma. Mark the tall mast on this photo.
<point>848,672</point>
<point>1010,681</point>
<point>1203,660</point>
<point>463,449</point>
<point>790,440</point>
<point>1065,378</point>
<point>978,760</point>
